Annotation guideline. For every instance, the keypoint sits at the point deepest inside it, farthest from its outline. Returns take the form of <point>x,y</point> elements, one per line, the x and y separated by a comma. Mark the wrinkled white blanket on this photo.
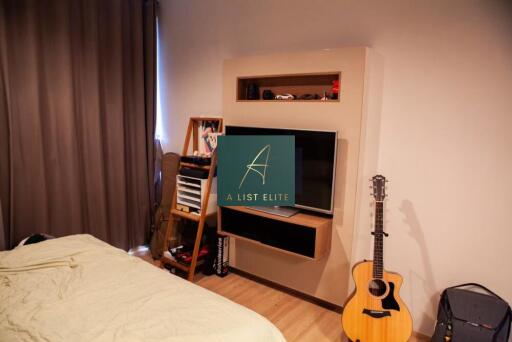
<point>78,288</point>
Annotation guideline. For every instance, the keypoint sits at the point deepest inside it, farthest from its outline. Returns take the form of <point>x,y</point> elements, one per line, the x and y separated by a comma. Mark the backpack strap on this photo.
<point>477,285</point>
<point>445,304</point>
<point>509,321</point>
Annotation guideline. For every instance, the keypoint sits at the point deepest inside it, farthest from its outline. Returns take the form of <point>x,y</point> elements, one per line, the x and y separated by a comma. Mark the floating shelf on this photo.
<point>296,84</point>
<point>304,235</point>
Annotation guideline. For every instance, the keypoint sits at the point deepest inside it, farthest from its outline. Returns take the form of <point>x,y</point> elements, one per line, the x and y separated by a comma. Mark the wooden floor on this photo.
<point>298,320</point>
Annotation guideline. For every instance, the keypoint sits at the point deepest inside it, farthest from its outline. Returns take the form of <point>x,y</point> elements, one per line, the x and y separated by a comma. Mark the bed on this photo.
<point>78,288</point>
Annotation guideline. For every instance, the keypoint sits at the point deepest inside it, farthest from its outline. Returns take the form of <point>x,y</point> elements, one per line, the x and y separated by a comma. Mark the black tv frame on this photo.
<point>316,209</point>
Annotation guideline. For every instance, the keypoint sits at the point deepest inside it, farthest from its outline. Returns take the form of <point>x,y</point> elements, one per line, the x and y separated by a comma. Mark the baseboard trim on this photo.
<point>290,291</point>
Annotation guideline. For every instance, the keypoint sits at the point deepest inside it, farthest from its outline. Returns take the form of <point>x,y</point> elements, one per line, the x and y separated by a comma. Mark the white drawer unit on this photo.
<point>190,194</point>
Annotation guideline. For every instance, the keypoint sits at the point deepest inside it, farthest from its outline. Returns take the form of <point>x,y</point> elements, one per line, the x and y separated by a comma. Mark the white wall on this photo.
<point>444,108</point>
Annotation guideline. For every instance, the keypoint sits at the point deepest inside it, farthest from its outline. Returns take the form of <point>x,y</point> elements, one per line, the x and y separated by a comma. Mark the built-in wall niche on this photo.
<point>319,87</point>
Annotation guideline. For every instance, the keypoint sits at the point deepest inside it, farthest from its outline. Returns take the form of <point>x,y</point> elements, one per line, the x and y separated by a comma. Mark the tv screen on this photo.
<point>315,159</point>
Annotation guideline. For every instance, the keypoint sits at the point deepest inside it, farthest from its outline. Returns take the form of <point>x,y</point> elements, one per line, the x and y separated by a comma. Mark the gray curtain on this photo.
<point>77,118</point>
<point>3,243</point>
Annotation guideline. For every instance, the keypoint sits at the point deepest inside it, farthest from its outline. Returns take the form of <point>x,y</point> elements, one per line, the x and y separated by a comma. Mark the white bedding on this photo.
<point>78,288</point>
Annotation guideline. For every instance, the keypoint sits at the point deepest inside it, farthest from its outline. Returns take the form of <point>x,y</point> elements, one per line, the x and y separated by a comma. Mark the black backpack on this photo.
<point>465,315</point>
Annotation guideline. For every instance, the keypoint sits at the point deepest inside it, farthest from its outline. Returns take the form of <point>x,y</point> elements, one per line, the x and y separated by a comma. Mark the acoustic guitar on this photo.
<point>375,312</point>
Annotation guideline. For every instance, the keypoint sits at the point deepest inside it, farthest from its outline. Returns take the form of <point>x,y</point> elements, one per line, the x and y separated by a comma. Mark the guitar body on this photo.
<point>378,317</point>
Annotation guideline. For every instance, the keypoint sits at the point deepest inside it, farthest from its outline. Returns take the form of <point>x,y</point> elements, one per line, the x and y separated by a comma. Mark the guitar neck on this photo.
<point>378,240</point>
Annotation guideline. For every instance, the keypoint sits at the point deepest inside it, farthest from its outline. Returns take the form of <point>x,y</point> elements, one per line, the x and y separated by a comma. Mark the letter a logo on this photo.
<point>257,167</point>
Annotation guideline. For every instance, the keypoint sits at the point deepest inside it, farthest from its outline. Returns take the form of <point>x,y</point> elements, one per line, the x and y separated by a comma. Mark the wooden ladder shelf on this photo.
<point>175,215</point>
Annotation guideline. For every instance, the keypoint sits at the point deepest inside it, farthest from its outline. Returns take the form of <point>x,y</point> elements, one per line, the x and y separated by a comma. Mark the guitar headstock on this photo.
<point>379,187</point>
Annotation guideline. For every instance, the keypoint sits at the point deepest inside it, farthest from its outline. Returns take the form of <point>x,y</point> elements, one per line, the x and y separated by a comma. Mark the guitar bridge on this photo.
<point>376,313</point>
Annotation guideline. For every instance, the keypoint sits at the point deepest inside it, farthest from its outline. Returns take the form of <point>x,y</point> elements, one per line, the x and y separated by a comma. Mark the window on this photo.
<point>159,130</point>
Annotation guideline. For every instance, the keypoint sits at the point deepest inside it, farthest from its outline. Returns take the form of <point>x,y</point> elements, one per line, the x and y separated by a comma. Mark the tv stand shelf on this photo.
<point>304,235</point>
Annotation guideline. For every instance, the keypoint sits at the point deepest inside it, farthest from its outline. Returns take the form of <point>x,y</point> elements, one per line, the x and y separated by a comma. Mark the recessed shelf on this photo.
<point>296,84</point>
<point>302,101</point>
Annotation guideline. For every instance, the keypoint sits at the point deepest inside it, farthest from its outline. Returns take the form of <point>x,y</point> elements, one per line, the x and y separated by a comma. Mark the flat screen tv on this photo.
<point>315,164</point>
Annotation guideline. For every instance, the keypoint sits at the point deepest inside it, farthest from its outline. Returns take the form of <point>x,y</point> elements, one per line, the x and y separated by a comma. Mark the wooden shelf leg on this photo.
<point>171,222</point>
<point>195,253</point>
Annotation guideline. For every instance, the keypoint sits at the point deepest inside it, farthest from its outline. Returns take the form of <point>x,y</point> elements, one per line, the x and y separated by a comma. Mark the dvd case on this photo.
<point>222,261</point>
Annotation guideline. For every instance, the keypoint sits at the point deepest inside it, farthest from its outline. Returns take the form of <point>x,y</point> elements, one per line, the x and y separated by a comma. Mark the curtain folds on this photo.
<point>150,53</point>
<point>78,109</point>
<point>5,164</point>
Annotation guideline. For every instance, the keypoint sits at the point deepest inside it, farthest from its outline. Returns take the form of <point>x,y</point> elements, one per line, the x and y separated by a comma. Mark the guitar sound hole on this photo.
<point>377,287</point>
